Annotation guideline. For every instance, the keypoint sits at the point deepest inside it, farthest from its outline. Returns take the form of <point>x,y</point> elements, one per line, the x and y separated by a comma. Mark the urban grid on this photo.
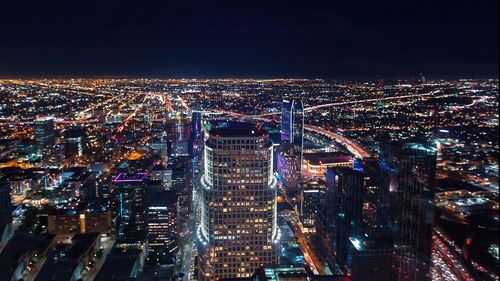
<point>249,179</point>
<point>296,140</point>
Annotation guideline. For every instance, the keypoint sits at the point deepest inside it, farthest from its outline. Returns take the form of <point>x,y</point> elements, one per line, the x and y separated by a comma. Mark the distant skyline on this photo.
<point>243,39</point>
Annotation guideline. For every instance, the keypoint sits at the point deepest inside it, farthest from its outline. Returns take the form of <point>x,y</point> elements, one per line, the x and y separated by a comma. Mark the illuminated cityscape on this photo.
<point>156,168</point>
<point>285,141</point>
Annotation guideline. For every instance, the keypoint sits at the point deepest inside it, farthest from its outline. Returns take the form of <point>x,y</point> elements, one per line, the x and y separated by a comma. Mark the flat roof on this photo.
<point>125,177</point>
<point>18,245</point>
<point>253,131</point>
<point>370,244</point>
<point>117,267</point>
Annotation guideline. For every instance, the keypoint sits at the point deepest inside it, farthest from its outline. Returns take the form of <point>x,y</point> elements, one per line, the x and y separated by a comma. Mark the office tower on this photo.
<point>182,182</point>
<point>312,201</point>
<point>162,227</point>
<point>290,154</point>
<point>371,259</point>
<point>129,197</point>
<point>45,138</point>
<point>195,137</point>
<point>409,171</point>
<point>238,230</point>
<point>74,142</point>
<point>360,207</point>
<point>288,166</point>
<point>348,188</point>
<point>5,210</point>
<point>292,122</point>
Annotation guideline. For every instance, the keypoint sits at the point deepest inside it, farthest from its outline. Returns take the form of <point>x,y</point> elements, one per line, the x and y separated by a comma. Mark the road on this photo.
<point>187,260</point>
<point>107,245</point>
<point>309,255</point>
<point>31,275</point>
<point>447,264</point>
<point>351,146</point>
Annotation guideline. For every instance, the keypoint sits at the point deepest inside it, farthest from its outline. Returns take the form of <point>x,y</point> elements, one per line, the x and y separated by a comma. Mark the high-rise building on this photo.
<point>129,197</point>
<point>238,230</point>
<point>292,122</point>
<point>409,171</point>
<point>290,154</point>
<point>348,184</point>
<point>288,167</point>
<point>45,138</point>
<point>5,210</point>
<point>313,196</point>
<point>74,142</point>
<point>162,227</point>
<point>371,259</point>
<point>359,207</point>
<point>195,136</point>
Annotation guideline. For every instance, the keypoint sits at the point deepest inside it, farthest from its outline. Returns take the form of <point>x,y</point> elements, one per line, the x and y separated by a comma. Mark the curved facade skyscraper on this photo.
<point>238,230</point>
<point>292,122</point>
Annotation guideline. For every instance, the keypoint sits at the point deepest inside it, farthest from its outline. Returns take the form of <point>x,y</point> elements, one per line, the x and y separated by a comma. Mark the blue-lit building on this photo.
<point>357,207</point>
<point>408,170</point>
<point>290,153</point>
<point>129,195</point>
<point>292,122</point>
<point>45,138</point>
<point>195,137</point>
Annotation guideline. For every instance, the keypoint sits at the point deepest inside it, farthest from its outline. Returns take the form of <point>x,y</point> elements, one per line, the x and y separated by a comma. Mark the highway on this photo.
<point>326,105</point>
<point>351,146</point>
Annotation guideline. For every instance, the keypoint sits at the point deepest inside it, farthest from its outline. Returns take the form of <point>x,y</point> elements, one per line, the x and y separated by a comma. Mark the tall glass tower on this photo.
<point>408,170</point>
<point>238,229</point>
<point>45,138</point>
<point>292,122</point>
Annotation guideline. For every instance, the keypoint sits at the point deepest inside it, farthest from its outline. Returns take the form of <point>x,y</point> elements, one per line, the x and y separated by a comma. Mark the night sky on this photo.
<point>249,39</point>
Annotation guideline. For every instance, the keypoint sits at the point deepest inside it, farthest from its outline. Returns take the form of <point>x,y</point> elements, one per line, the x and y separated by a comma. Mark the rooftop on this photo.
<point>238,132</point>
<point>117,268</point>
<point>124,177</point>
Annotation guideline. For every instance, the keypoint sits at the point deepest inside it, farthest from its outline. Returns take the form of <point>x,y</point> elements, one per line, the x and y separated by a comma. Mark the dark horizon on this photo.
<point>257,40</point>
<point>110,77</point>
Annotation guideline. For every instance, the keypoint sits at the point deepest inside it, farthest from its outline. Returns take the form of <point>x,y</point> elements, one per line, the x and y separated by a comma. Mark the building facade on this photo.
<point>238,230</point>
<point>408,170</point>
<point>313,196</point>
<point>292,122</point>
<point>162,226</point>
<point>45,138</point>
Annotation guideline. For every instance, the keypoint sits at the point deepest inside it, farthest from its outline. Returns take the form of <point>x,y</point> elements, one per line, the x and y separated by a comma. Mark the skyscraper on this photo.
<point>292,122</point>
<point>162,229</point>
<point>195,133</point>
<point>45,138</point>
<point>238,230</point>
<point>358,207</point>
<point>5,209</point>
<point>312,200</point>
<point>290,154</point>
<point>348,188</point>
<point>129,198</point>
<point>409,171</point>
